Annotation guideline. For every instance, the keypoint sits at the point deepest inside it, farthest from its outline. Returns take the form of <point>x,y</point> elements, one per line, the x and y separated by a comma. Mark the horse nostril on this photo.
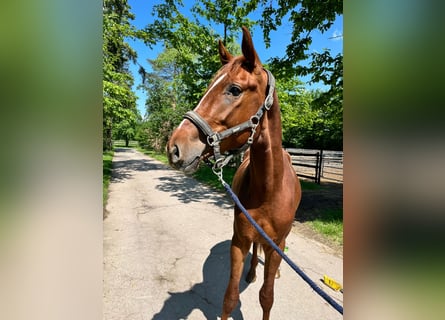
<point>174,153</point>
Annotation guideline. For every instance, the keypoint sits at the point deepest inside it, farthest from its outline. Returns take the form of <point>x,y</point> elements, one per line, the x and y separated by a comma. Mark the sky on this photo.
<point>331,39</point>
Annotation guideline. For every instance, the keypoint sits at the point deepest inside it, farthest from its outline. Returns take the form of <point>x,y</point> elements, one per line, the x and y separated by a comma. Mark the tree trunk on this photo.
<point>107,140</point>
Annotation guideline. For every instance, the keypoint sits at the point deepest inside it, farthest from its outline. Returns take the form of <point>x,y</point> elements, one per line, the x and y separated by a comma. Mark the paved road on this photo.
<point>166,252</point>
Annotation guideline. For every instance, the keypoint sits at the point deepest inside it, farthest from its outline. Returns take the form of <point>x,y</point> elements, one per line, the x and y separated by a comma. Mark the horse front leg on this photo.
<point>251,276</point>
<point>238,252</point>
<point>271,265</point>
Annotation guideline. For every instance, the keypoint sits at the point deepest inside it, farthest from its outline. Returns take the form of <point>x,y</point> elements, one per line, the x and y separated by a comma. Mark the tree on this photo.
<point>195,42</point>
<point>305,17</point>
<point>183,70</point>
<point>126,130</point>
<point>297,116</point>
<point>225,12</point>
<point>166,98</point>
<point>327,131</point>
<point>119,101</point>
<point>306,114</point>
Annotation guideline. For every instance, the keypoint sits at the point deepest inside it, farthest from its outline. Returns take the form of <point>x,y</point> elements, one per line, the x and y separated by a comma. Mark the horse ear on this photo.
<point>224,55</point>
<point>248,50</point>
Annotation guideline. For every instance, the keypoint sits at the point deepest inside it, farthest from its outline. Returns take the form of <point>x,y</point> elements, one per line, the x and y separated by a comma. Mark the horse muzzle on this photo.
<point>185,149</point>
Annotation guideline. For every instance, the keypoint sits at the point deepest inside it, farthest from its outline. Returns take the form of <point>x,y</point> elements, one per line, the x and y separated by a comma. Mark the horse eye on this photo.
<point>235,90</point>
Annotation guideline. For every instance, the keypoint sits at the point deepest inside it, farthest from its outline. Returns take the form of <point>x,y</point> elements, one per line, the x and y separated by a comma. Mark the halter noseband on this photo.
<point>214,138</point>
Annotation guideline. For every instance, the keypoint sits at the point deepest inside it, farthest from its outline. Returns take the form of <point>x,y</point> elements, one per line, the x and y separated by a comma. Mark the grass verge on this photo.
<point>330,224</point>
<point>206,175</point>
<point>107,158</point>
<point>308,185</point>
<point>154,154</point>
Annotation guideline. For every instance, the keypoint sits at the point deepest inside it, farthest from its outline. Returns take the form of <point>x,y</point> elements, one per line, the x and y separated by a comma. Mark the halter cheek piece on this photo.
<point>214,138</point>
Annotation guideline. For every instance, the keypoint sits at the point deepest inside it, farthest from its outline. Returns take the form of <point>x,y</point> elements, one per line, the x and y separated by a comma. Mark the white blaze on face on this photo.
<point>202,99</point>
<point>208,91</point>
<point>180,125</point>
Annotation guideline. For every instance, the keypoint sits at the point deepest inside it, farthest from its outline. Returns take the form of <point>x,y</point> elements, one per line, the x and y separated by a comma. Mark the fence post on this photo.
<point>317,166</point>
<point>321,166</point>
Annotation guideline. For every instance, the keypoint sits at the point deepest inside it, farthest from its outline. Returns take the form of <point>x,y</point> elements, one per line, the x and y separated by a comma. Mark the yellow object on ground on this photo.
<point>332,283</point>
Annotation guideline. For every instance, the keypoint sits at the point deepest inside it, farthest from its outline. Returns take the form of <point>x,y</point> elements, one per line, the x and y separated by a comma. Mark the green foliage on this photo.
<point>141,135</point>
<point>167,99</point>
<point>296,113</point>
<point>194,45</point>
<point>225,12</point>
<point>107,158</point>
<point>181,73</point>
<point>326,129</point>
<point>125,130</point>
<point>304,17</point>
<point>119,101</point>
<point>308,119</point>
<point>183,70</point>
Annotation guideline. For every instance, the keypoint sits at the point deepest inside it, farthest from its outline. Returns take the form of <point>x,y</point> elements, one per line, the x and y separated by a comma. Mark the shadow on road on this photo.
<point>187,190</point>
<point>208,295</point>
<point>122,169</point>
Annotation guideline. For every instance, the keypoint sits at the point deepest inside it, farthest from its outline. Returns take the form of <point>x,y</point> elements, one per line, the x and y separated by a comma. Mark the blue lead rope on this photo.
<point>300,272</point>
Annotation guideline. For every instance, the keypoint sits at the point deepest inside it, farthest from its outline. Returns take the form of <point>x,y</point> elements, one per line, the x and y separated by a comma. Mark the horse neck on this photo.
<point>266,156</point>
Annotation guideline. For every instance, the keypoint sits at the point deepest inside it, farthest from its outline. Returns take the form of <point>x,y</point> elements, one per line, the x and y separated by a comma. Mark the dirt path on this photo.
<point>166,252</point>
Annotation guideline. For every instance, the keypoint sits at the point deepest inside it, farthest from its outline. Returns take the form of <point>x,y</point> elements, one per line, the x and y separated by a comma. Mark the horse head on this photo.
<point>227,115</point>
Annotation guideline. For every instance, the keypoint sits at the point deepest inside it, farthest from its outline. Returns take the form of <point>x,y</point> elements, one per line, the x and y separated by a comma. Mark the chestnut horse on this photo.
<point>238,111</point>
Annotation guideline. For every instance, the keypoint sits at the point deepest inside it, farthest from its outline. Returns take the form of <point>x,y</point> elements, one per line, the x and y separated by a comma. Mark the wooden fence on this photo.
<point>121,143</point>
<point>308,163</point>
<point>317,164</point>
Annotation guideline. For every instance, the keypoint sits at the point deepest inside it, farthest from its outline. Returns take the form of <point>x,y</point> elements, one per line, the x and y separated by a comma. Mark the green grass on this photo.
<point>154,154</point>
<point>206,175</point>
<point>307,185</point>
<point>107,158</point>
<point>330,224</point>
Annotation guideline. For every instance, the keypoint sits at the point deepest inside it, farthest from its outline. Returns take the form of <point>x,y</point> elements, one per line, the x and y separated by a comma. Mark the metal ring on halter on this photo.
<point>211,140</point>
<point>250,139</point>
<point>255,120</point>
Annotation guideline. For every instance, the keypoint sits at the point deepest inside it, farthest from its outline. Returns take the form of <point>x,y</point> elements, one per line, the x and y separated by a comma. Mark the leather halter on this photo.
<point>214,138</point>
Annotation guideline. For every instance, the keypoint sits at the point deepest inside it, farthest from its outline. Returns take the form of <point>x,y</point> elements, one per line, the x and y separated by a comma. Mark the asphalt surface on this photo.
<point>166,252</point>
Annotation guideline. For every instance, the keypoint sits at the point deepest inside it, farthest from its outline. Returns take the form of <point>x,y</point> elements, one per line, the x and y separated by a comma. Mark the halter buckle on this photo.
<point>268,102</point>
